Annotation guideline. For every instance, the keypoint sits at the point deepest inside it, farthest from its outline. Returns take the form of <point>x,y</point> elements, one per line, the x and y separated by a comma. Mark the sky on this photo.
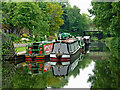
<point>82,4</point>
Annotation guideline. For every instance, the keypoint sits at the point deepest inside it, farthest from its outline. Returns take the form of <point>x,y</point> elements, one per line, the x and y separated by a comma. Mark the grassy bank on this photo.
<point>19,49</point>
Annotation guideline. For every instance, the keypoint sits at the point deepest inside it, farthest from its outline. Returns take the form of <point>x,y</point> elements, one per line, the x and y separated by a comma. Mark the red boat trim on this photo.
<point>57,58</point>
<point>28,60</point>
<point>61,61</point>
<point>54,58</point>
<point>39,60</point>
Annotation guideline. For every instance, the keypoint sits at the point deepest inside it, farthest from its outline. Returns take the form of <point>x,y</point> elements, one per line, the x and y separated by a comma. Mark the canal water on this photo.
<point>80,81</point>
<point>97,69</point>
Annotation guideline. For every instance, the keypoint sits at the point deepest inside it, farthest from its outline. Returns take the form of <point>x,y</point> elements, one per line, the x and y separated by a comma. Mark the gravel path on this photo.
<point>21,53</point>
<point>21,45</point>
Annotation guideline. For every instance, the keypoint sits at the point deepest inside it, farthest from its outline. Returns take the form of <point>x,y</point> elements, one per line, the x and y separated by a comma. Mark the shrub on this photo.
<point>13,37</point>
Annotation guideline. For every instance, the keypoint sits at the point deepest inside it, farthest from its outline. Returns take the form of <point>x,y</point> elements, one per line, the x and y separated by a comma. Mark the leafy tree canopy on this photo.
<point>74,22</point>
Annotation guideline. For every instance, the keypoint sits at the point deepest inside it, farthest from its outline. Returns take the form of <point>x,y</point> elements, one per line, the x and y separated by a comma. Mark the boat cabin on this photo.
<point>38,52</point>
<point>64,53</point>
<point>63,50</point>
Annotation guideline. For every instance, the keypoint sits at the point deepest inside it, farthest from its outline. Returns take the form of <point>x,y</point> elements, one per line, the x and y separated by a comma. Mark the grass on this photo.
<point>19,49</point>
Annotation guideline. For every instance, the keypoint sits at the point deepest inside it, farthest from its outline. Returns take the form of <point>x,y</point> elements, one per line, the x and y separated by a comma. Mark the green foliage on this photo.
<point>74,22</point>
<point>5,47</point>
<point>107,70</point>
<point>22,79</point>
<point>94,38</point>
<point>54,11</point>
<point>40,18</point>
<point>113,45</point>
<point>107,16</point>
<point>13,37</point>
<point>8,70</point>
<point>28,15</point>
<point>104,72</point>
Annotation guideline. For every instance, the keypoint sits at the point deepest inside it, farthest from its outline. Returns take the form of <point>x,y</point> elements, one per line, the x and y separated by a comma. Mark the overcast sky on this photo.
<point>82,4</point>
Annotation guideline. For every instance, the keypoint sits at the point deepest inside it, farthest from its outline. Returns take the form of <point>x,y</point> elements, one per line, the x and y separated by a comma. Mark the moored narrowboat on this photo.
<point>36,57</point>
<point>38,52</point>
<point>64,56</point>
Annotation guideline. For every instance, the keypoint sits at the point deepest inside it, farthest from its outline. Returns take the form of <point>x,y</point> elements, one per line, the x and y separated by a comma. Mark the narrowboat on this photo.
<point>64,56</point>
<point>37,55</point>
<point>38,52</point>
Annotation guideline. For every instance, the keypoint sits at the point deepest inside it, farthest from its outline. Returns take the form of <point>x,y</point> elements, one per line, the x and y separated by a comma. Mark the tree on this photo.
<point>74,22</point>
<point>28,15</point>
<point>43,16</point>
<point>107,16</point>
<point>54,11</point>
<point>7,12</point>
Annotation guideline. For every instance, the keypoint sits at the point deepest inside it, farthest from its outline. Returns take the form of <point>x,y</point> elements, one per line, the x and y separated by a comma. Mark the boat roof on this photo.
<point>42,42</point>
<point>79,38</point>
<point>68,40</point>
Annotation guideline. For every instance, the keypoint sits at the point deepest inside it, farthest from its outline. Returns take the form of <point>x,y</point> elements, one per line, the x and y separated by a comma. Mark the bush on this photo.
<point>13,37</point>
<point>24,36</point>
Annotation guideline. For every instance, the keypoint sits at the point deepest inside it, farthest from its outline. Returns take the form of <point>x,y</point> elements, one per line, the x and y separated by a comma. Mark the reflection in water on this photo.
<point>106,72</point>
<point>80,81</point>
<point>61,70</point>
<point>64,70</point>
<point>21,79</point>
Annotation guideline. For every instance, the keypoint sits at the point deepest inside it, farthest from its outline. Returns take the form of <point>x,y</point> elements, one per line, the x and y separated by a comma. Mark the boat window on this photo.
<point>60,46</point>
<point>71,47</point>
<point>64,48</point>
<point>75,45</point>
<point>56,47</point>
